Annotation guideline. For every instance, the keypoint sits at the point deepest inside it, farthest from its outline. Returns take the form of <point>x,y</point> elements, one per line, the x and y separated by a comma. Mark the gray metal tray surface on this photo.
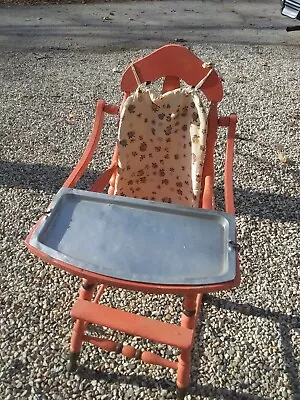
<point>138,240</point>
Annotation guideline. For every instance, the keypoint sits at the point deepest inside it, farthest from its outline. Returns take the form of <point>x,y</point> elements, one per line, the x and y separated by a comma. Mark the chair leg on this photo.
<point>85,293</point>
<point>188,320</point>
<point>73,362</point>
<point>183,373</point>
<point>181,393</point>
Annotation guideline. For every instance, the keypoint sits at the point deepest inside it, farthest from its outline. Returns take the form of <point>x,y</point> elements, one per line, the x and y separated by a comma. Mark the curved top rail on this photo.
<point>173,60</point>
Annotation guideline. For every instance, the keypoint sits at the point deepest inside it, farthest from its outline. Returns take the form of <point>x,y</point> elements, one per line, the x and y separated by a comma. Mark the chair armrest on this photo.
<point>87,155</point>
<point>228,184</point>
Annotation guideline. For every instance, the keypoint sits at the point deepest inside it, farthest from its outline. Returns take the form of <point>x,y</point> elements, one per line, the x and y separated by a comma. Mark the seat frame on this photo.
<point>172,62</point>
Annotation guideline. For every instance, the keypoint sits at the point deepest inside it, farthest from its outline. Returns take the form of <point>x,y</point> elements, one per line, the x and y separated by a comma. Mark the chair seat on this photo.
<point>138,240</point>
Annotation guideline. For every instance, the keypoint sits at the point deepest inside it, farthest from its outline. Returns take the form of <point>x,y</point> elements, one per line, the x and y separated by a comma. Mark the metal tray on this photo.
<point>138,240</point>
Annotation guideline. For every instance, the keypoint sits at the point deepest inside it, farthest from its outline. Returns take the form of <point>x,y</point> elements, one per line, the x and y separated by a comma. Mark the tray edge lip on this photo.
<point>55,254</point>
<point>120,200</point>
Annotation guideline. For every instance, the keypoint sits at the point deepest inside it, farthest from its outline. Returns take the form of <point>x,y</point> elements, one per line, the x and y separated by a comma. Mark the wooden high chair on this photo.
<point>188,180</point>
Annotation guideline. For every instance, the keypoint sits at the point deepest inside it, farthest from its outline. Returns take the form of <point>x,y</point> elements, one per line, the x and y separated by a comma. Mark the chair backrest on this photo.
<point>175,63</point>
<point>161,145</point>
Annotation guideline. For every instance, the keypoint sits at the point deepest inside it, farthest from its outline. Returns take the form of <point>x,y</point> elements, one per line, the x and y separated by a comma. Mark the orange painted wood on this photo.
<point>114,175</point>
<point>198,303</point>
<point>170,83</point>
<point>104,344</point>
<point>77,336</point>
<point>86,158</point>
<point>177,61</point>
<point>104,179</point>
<point>189,304</point>
<point>99,293</point>
<point>151,358</point>
<point>129,352</point>
<point>228,184</point>
<point>183,369</point>
<point>80,325</point>
<point>208,193</point>
<point>132,324</point>
<point>112,109</point>
<point>208,167</point>
<point>224,121</point>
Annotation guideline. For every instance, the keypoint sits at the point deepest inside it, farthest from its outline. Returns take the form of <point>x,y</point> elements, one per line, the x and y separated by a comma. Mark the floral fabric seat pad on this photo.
<point>161,143</point>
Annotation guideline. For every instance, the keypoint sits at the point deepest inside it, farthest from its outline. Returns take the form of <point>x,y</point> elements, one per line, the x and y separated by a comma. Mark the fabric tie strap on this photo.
<point>135,75</point>
<point>197,87</point>
<point>199,84</point>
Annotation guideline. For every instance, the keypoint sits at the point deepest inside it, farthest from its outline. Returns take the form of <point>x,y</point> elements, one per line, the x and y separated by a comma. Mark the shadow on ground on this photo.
<point>284,323</point>
<point>49,179</point>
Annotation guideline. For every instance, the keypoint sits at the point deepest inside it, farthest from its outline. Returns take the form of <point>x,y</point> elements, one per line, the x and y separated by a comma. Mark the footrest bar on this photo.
<point>133,324</point>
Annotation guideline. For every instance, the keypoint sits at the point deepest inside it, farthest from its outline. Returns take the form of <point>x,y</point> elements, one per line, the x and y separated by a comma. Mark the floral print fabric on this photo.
<point>161,143</point>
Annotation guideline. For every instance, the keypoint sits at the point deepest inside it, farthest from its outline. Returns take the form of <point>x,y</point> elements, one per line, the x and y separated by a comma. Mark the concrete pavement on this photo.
<point>110,26</point>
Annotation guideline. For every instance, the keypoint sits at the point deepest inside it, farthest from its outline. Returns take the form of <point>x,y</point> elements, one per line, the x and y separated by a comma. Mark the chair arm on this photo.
<point>87,155</point>
<point>228,184</point>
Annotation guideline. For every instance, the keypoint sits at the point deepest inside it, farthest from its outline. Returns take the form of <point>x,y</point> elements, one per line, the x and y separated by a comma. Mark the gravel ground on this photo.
<point>248,340</point>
